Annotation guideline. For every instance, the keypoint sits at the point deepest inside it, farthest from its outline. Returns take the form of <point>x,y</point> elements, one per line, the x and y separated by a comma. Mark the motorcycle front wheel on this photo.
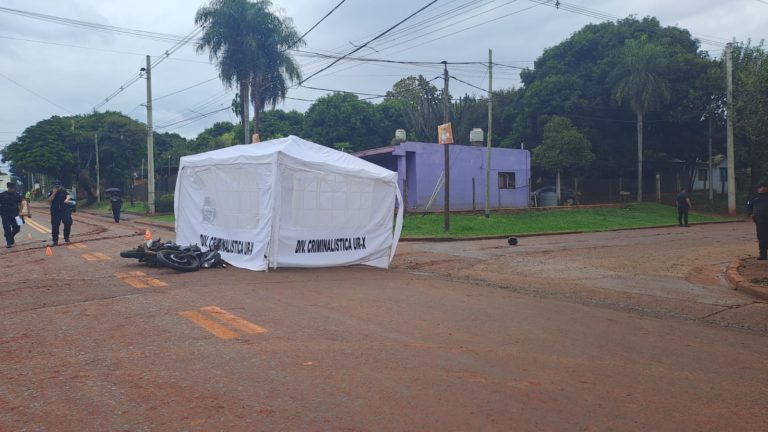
<point>178,260</point>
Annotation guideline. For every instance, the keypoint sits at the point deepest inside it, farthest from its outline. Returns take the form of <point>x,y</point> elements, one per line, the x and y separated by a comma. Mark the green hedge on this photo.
<point>164,204</point>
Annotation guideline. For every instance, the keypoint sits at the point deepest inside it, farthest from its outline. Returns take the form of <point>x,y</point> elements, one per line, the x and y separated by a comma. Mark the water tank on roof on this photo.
<point>400,135</point>
<point>476,136</point>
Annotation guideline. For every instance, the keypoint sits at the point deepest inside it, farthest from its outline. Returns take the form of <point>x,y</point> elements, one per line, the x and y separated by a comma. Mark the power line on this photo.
<point>318,23</point>
<point>427,30</point>
<point>372,60</point>
<point>603,16</point>
<point>370,41</point>
<point>178,45</point>
<point>93,48</point>
<point>191,120</point>
<point>35,93</point>
<point>342,91</point>
<point>144,34</point>
<point>185,89</point>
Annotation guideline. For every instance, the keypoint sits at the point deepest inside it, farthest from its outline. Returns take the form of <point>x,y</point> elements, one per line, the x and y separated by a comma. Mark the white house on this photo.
<point>719,175</point>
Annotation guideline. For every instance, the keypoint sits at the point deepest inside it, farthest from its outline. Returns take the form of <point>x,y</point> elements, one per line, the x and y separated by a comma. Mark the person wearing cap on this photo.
<point>60,212</point>
<point>10,201</point>
<point>757,208</point>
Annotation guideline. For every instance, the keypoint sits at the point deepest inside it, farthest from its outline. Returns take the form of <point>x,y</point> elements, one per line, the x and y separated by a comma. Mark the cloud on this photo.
<point>79,78</point>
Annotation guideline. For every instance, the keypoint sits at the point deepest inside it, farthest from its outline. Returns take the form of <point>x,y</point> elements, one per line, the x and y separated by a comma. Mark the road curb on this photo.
<point>497,237</point>
<point>738,282</point>
<point>161,225</point>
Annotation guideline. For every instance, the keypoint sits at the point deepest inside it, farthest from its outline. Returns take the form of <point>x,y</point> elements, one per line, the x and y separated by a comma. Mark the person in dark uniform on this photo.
<point>61,211</point>
<point>117,204</point>
<point>10,200</point>
<point>757,208</point>
<point>683,205</point>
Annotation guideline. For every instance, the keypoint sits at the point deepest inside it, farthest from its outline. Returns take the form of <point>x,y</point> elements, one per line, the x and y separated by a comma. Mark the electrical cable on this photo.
<point>144,34</point>
<point>318,23</point>
<point>35,93</point>
<point>185,89</point>
<point>178,45</point>
<point>370,41</point>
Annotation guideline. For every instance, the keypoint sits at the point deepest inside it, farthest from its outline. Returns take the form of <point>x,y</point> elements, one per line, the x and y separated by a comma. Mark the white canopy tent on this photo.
<point>288,202</point>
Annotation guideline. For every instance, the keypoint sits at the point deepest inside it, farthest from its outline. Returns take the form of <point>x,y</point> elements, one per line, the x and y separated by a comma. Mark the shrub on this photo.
<point>164,204</point>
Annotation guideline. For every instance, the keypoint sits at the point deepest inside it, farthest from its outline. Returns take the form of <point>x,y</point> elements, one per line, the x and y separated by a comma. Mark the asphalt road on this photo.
<point>612,331</point>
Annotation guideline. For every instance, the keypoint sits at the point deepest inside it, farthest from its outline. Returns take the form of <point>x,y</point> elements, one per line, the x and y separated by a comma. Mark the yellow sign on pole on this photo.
<point>445,134</point>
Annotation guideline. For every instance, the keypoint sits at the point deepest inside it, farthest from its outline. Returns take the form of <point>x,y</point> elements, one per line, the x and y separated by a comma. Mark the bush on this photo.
<point>164,204</point>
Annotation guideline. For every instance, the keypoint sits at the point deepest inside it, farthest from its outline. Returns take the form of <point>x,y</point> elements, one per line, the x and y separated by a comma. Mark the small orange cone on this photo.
<point>48,251</point>
<point>29,236</point>
<point>147,234</point>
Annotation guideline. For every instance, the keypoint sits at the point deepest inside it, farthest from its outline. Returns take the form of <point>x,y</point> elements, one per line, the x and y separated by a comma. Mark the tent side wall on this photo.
<point>228,206</point>
<point>328,216</point>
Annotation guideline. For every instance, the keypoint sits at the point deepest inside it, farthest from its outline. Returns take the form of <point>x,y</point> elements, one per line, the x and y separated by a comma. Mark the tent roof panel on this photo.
<point>292,146</point>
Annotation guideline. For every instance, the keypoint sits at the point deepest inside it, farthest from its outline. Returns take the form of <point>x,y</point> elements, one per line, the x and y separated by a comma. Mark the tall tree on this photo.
<point>563,147</point>
<point>421,105</point>
<point>639,81</point>
<point>249,44</point>
<point>751,103</point>
<point>344,118</point>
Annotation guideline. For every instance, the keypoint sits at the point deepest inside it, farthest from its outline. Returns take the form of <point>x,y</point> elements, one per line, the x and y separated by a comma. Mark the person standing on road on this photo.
<point>10,201</point>
<point>117,204</point>
<point>683,205</point>
<point>757,208</point>
<point>28,200</point>
<point>61,211</point>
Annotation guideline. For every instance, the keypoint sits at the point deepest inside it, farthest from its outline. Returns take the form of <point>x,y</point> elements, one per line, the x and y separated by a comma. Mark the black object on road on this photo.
<point>512,241</point>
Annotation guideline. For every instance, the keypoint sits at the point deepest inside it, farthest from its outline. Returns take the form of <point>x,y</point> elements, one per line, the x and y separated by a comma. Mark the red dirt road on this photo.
<point>613,331</point>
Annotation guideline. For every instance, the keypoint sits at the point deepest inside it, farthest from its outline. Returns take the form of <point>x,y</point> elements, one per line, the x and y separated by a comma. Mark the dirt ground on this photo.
<point>627,331</point>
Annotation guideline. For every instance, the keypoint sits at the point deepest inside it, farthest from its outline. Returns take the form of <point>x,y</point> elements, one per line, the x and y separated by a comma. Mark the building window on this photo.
<point>506,180</point>
<point>723,174</point>
<point>703,174</point>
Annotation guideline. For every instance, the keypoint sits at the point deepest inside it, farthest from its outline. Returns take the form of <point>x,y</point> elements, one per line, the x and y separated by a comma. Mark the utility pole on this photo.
<point>710,177</point>
<point>150,144</point>
<point>490,135</point>
<point>731,112</point>
<point>447,162</point>
<point>98,170</point>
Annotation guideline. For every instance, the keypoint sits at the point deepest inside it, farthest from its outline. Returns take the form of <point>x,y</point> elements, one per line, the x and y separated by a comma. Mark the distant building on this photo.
<point>719,175</point>
<point>420,166</point>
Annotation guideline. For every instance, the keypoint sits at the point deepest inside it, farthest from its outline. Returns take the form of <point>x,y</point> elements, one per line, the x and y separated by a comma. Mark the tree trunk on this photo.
<point>557,186</point>
<point>244,117</point>
<point>257,89</point>
<point>256,118</point>
<point>576,189</point>
<point>639,156</point>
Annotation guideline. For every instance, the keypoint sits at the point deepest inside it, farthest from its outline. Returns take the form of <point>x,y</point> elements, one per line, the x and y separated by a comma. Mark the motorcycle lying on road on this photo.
<point>171,255</point>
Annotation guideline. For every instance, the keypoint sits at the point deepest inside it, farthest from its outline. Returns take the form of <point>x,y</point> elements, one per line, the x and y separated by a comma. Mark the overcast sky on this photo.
<point>66,70</point>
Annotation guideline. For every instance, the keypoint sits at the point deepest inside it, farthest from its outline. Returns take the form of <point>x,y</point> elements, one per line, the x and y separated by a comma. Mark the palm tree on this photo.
<point>249,44</point>
<point>275,67</point>
<point>638,81</point>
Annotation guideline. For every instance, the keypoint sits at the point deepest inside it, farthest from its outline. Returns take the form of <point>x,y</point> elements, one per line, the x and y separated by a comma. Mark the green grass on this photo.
<point>105,207</point>
<point>547,221</point>
<point>164,218</point>
<point>539,221</point>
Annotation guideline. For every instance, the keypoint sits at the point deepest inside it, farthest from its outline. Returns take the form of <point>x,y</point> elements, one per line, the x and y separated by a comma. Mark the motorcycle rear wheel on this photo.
<point>178,260</point>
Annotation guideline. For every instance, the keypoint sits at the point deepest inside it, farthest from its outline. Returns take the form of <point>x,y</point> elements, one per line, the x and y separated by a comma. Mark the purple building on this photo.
<point>420,167</point>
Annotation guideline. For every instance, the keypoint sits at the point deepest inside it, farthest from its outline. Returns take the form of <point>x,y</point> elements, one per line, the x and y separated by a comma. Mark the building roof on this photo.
<point>375,151</point>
